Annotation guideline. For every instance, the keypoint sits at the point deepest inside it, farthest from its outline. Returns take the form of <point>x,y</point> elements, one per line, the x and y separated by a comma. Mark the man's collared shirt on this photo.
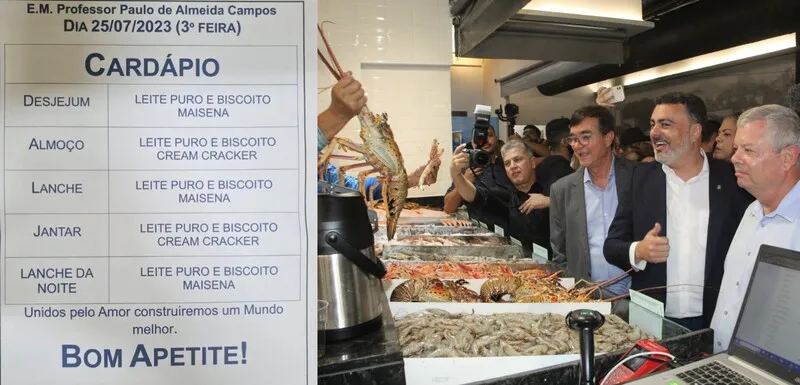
<point>529,229</point>
<point>601,205</point>
<point>781,228</point>
<point>688,211</point>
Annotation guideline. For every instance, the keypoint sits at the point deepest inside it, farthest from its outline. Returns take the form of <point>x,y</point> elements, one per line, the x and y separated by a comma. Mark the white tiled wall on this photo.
<point>400,50</point>
<point>466,84</point>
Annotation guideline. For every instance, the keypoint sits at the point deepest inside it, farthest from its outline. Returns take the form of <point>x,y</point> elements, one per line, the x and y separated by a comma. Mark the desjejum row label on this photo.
<point>157,173</point>
<point>33,105</point>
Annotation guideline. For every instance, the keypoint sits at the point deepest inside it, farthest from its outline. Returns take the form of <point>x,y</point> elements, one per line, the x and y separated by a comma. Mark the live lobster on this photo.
<point>379,152</point>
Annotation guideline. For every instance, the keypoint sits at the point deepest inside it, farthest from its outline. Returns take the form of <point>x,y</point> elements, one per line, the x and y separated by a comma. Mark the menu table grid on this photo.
<point>99,181</point>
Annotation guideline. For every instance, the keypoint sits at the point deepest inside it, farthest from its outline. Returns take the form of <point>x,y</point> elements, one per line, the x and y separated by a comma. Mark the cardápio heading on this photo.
<point>169,66</point>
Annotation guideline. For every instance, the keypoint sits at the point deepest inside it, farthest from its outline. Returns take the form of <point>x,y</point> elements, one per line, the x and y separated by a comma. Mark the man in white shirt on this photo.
<point>767,162</point>
<point>692,196</point>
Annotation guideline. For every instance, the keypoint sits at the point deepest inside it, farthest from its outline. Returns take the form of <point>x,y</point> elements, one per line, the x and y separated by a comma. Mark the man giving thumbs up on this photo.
<point>676,222</point>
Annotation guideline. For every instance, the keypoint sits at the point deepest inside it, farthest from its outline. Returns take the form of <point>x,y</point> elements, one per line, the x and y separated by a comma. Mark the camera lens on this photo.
<point>479,158</point>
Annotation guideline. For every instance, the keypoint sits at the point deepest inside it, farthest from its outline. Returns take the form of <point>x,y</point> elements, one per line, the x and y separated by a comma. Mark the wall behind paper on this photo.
<point>401,53</point>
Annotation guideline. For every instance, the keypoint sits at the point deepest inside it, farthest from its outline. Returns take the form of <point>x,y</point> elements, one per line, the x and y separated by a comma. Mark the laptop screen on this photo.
<point>768,333</point>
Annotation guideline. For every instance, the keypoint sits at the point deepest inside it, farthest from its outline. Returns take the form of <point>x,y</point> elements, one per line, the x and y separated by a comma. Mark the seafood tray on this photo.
<point>501,251</point>
<point>442,231</point>
<point>434,258</point>
<point>450,240</point>
<point>474,285</point>
<point>464,270</point>
<point>459,370</point>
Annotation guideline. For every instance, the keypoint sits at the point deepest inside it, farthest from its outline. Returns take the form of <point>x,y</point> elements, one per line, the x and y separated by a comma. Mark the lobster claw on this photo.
<point>392,217</point>
<point>395,199</point>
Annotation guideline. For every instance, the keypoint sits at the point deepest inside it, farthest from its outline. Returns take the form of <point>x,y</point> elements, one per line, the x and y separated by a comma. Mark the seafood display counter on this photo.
<point>680,342</point>
<point>466,307</point>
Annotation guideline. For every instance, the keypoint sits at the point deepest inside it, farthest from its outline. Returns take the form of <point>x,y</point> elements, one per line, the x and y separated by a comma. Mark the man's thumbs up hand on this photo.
<point>653,248</point>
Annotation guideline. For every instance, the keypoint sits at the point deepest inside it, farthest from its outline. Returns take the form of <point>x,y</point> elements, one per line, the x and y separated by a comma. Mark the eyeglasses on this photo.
<point>582,138</point>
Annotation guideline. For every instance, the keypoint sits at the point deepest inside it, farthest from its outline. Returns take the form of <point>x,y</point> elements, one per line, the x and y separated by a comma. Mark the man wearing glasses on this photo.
<point>583,204</point>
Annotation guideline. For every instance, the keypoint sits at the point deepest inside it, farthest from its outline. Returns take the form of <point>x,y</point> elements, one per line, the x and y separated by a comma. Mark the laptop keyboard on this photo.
<point>714,373</point>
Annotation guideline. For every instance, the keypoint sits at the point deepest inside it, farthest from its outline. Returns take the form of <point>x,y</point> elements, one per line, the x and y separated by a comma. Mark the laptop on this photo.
<point>765,348</point>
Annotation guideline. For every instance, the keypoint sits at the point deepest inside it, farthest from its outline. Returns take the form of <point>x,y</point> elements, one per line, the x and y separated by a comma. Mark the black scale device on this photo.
<point>586,322</point>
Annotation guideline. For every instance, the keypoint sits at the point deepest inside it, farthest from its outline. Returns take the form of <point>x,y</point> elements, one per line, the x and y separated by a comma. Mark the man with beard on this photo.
<point>677,221</point>
<point>557,164</point>
<point>767,162</point>
<point>493,178</point>
<point>525,205</point>
<point>582,204</point>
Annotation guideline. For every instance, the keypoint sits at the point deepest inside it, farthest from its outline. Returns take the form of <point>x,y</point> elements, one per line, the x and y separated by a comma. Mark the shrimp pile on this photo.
<point>437,333</point>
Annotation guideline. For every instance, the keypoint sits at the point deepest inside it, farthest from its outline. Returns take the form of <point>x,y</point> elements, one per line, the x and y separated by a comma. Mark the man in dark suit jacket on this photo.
<point>696,198</point>
<point>583,204</point>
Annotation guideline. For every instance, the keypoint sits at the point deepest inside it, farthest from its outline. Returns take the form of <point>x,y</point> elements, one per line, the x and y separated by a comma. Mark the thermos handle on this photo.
<point>337,241</point>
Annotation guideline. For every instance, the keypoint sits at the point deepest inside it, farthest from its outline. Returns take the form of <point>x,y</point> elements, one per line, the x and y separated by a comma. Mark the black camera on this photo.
<point>479,158</point>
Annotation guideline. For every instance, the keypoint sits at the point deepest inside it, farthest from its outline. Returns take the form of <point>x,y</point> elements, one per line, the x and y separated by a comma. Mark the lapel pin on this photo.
<point>719,187</point>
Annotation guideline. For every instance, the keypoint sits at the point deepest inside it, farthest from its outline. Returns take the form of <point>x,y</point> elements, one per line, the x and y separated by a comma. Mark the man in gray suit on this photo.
<point>583,204</point>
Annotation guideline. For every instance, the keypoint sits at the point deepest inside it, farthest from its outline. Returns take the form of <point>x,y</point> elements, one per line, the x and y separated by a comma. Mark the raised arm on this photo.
<point>347,99</point>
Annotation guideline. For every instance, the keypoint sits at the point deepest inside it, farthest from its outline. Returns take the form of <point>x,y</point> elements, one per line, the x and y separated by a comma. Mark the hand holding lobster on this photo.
<point>347,97</point>
<point>377,153</point>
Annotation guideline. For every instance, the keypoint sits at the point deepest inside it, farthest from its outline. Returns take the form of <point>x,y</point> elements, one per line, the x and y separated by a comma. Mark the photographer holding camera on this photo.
<point>524,207</point>
<point>491,175</point>
<point>487,170</point>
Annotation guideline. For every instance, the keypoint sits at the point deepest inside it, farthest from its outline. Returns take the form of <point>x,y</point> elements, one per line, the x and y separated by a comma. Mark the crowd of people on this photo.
<point>679,214</point>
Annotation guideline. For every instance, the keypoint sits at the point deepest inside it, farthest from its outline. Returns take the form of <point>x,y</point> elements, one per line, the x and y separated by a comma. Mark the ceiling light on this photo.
<point>729,55</point>
<point>615,9</point>
<point>453,38</point>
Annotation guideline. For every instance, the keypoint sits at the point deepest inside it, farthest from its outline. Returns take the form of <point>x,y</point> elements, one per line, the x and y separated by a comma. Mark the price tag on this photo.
<point>646,312</point>
<point>540,254</point>
<point>516,241</point>
<point>499,231</point>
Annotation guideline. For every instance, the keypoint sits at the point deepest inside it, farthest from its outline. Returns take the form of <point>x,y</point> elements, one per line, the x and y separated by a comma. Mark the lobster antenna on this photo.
<point>659,288</point>
<point>340,73</point>
<point>335,75</point>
